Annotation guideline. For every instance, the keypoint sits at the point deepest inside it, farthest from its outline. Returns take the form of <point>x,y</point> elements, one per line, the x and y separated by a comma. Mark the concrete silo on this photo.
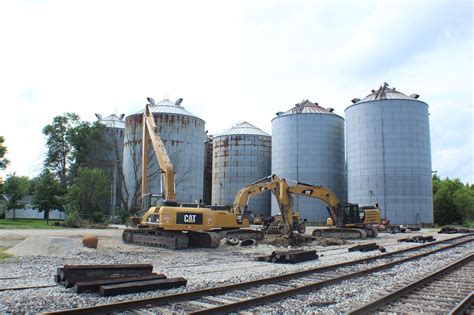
<point>112,156</point>
<point>389,155</point>
<point>308,146</point>
<point>183,135</point>
<point>241,155</point>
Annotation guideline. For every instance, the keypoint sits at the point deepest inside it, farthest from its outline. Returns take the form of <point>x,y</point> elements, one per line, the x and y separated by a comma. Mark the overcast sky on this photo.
<point>233,61</point>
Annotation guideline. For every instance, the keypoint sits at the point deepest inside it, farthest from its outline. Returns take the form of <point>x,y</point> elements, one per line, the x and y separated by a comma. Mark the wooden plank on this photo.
<point>94,271</point>
<point>108,267</point>
<point>70,277</point>
<point>141,286</point>
<point>93,286</point>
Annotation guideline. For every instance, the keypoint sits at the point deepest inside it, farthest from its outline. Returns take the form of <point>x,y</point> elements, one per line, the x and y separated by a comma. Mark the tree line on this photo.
<point>453,201</point>
<point>73,178</point>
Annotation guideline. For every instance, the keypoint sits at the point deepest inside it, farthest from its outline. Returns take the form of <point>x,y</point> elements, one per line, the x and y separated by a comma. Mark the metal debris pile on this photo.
<point>366,247</point>
<point>289,257</point>
<point>418,239</point>
<point>109,280</point>
<point>453,230</point>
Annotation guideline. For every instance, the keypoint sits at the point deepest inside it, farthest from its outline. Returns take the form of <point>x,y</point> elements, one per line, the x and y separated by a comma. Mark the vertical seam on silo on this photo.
<point>383,165</point>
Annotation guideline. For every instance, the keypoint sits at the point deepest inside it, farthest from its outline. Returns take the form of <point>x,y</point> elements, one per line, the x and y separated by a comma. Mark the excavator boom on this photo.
<point>319,192</point>
<point>149,131</point>
<point>242,197</point>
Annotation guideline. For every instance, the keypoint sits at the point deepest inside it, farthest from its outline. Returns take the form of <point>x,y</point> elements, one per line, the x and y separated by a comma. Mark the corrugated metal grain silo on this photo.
<point>183,135</point>
<point>308,146</point>
<point>389,155</point>
<point>112,158</point>
<point>241,155</point>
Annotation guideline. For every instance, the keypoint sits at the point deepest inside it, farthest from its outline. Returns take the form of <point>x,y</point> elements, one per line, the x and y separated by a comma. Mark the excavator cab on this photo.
<point>348,213</point>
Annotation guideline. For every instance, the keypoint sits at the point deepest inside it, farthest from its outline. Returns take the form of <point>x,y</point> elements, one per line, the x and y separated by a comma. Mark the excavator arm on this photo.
<point>314,191</point>
<point>150,132</point>
<point>242,197</point>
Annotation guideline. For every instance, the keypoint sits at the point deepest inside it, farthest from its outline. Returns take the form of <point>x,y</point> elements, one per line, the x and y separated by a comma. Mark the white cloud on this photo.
<point>238,61</point>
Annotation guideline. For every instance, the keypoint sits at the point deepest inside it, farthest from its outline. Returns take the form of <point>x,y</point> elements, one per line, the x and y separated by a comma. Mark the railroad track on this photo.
<point>240,296</point>
<point>448,290</point>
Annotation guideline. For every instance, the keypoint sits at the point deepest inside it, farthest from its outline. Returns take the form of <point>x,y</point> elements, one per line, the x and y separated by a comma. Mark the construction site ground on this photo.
<point>38,253</point>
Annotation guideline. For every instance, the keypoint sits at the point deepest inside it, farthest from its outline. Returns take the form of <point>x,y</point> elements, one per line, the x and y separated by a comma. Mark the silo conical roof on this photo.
<point>168,107</point>
<point>112,121</point>
<point>307,107</point>
<point>244,128</point>
<point>385,93</point>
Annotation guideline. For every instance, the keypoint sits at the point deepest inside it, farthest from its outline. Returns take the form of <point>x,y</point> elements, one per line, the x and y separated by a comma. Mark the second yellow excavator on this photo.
<point>347,219</point>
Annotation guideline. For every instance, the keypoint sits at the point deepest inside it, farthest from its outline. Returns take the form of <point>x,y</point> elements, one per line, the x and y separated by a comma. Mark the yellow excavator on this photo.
<point>175,225</point>
<point>347,220</point>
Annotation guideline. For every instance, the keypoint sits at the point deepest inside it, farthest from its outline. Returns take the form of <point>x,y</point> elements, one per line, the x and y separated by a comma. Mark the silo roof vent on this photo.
<point>244,128</point>
<point>307,107</point>
<point>384,92</point>
<point>112,121</point>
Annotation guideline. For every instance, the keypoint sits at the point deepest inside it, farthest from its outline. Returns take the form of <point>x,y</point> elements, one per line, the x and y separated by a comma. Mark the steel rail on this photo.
<point>463,306</point>
<point>389,298</point>
<point>237,306</point>
<point>166,299</point>
<point>28,287</point>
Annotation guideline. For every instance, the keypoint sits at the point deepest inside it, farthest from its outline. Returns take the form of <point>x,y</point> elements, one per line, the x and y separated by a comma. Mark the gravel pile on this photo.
<point>48,246</point>
<point>38,257</point>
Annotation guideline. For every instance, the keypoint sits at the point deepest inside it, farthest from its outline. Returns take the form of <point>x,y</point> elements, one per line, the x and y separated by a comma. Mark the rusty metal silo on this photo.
<point>241,155</point>
<point>183,135</point>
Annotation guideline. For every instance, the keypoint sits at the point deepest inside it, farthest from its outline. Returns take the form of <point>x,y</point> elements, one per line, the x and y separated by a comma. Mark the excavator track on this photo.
<point>170,239</point>
<point>204,239</point>
<point>344,233</point>
<point>155,238</point>
<point>371,231</point>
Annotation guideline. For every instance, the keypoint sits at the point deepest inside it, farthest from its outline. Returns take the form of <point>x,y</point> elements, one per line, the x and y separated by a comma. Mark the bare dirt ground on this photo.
<point>39,252</point>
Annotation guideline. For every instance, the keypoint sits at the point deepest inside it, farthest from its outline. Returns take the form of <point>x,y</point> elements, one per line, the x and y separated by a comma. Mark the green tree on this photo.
<point>3,151</point>
<point>46,193</point>
<point>58,156</point>
<point>452,201</point>
<point>73,144</point>
<point>463,199</point>
<point>15,188</point>
<point>88,146</point>
<point>89,194</point>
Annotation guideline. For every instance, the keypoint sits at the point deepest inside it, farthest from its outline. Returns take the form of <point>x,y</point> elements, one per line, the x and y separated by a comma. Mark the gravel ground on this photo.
<point>40,252</point>
<point>349,294</point>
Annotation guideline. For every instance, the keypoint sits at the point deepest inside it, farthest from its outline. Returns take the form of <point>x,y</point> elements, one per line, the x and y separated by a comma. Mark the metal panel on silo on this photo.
<point>111,162</point>
<point>389,155</point>
<point>241,155</point>
<point>183,135</point>
<point>308,146</point>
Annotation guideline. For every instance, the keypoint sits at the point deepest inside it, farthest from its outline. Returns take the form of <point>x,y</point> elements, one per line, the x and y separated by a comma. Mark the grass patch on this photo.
<point>26,224</point>
<point>3,254</point>
<point>469,224</point>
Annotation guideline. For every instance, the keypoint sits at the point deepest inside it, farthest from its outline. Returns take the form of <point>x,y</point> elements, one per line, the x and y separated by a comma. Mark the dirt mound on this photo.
<point>276,240</point>
<point>48,246</point>
<point>328,241</point>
